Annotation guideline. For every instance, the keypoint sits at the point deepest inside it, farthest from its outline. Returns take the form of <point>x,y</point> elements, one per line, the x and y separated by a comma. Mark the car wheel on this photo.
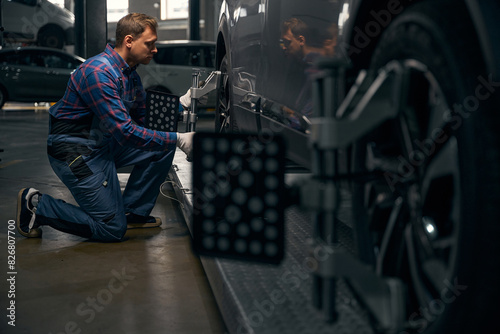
<point>224,123</point>
<point>3,96</point>
<point>429,214</point>
<point>52,37</point>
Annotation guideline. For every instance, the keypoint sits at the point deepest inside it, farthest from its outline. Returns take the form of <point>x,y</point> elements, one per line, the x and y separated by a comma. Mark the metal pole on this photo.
<point>80,36</point>
<point>1,26</point>
<point>91,28</point>
<point>194,20</point>
<point>96,27</point>
<point>191,113</point>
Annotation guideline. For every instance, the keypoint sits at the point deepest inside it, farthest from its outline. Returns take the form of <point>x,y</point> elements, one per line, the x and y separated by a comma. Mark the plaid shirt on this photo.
<point>94,89</point>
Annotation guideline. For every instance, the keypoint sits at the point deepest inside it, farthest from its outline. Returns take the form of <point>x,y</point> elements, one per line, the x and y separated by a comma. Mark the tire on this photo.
<point>430,213</point>
<point>224,123</point>
<point>52,37</point>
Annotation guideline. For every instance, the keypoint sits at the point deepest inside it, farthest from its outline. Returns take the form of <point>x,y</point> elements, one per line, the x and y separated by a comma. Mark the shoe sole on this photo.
<point>34,232</point>
<point>145,225</point>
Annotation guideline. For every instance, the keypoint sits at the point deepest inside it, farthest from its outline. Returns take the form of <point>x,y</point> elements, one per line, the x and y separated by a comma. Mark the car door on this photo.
<point>19,74</point>
<point>56,71</point>
<point>287,67</point>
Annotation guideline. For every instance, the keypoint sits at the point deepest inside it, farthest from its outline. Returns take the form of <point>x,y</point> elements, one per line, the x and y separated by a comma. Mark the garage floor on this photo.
<point>150,283</point>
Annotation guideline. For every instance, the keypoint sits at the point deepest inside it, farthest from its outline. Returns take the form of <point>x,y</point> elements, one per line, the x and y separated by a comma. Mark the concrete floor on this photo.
<point>149,283</point>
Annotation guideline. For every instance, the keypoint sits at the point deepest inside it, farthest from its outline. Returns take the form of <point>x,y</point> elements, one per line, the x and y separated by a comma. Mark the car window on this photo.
<point>15,58</point>
<point>186,56</point>
<point>54,60</point>
<point>26,2</point>
<point>7,59</point>
<point>39,59</point>
<point>57,61</point>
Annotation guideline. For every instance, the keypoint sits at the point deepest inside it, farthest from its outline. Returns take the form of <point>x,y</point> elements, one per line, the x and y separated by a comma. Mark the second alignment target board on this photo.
<point>238,196</point>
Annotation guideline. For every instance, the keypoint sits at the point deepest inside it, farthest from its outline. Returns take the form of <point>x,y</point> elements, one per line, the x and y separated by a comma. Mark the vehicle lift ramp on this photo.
<point>352,296</point>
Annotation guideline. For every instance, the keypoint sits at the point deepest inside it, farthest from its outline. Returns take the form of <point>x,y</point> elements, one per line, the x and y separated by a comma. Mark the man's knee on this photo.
<point>112,229</point>
<point>109,236</point>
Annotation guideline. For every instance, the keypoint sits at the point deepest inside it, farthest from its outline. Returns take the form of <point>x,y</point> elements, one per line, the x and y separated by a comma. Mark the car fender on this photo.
<point>226,21</point>
<point>220,49</point>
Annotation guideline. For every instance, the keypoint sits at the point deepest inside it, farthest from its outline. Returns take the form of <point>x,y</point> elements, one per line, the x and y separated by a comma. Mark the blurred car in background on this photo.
<point>38,21</point>
<point>172,67</point>
<point>35,74</point>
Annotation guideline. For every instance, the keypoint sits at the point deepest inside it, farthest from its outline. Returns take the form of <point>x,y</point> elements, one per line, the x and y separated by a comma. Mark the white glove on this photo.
<point>186,99</point>
<point>185,143</point>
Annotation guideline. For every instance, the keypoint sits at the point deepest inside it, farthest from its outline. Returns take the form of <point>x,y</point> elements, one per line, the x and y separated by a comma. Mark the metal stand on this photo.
<point>190,116</point>
<point>210,84</point>
<point>340,122</point>
<point>1,25</point>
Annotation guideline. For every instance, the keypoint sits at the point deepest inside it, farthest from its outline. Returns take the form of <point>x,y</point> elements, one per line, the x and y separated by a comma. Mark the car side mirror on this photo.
<point>239,196</point>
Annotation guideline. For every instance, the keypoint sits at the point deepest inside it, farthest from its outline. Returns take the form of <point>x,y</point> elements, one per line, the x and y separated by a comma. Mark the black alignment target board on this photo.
<point>162,111</point>
<point>238,201</point>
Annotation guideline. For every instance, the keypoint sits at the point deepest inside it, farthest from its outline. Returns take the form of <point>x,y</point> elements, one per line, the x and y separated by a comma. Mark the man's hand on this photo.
<point>186,99</point>
<point>185,143</point>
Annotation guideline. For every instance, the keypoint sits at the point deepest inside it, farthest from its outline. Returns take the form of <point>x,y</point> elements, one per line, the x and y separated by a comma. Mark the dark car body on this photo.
<point>35,74</point>
<point>266,82</point>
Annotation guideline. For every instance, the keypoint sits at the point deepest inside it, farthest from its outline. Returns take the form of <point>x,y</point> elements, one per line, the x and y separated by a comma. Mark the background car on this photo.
<point>38,21</point>
<point>35,74</point>
<point>172,67</point>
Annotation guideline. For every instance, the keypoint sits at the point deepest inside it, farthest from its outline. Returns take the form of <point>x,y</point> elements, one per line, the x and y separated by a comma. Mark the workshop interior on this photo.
<point>344,175</point>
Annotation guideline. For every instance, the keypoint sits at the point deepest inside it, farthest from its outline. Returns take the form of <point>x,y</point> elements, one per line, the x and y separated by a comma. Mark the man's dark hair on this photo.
<point>134,24</point>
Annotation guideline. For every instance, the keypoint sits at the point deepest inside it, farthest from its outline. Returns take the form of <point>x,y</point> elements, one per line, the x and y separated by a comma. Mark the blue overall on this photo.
<point>89,171</point>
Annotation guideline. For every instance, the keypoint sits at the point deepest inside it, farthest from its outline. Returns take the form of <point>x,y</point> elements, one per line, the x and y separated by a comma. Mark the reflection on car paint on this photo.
<point>280,55</point>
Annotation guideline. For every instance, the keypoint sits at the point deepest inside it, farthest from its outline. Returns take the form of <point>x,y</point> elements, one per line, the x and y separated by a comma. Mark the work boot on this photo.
<point>27,201</point>
<point>136,221</point>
